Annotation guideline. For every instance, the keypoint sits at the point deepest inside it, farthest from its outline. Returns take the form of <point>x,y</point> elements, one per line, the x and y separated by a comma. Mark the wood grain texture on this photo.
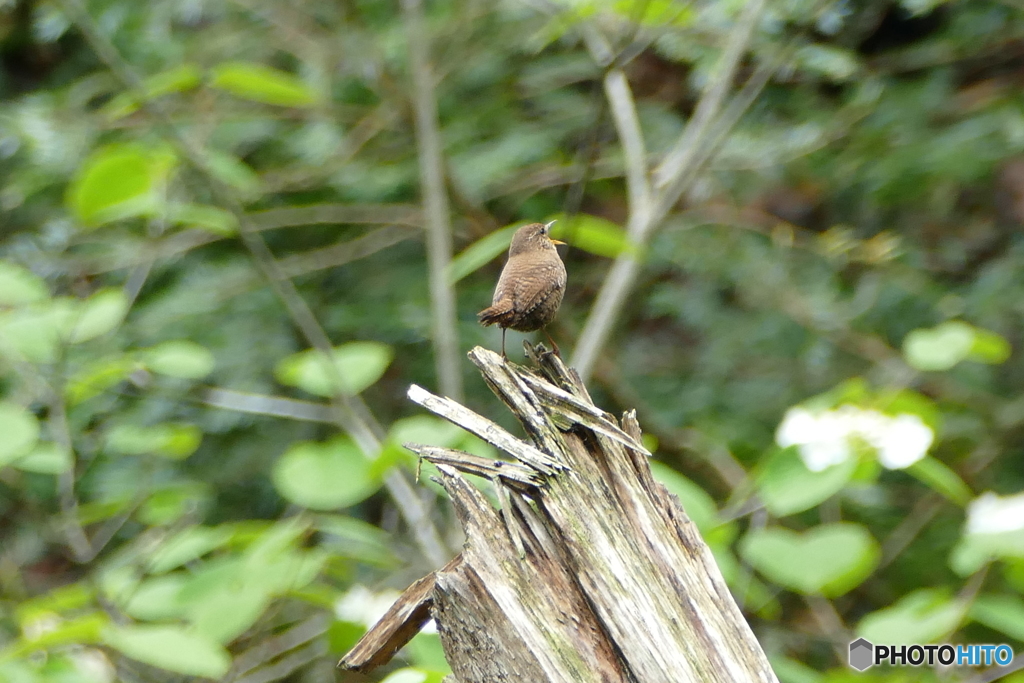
<point>591,570</point>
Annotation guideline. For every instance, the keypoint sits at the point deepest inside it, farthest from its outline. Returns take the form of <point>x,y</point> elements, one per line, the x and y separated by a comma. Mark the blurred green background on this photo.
<point>820,340</point>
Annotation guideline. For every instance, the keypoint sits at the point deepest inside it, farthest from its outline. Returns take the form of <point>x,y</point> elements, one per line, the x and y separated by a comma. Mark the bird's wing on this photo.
<point>500,311</point>
<point>536,285</point>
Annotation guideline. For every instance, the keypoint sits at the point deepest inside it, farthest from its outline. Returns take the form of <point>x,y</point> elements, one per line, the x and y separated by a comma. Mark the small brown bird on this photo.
<point>531,285</point>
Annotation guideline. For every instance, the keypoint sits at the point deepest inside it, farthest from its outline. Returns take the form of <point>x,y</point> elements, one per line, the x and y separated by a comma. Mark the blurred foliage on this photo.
<point>175,498</point>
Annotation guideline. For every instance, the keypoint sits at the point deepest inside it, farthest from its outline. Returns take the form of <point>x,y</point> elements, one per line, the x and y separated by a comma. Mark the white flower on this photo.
<point>821,438</point>
<point>824,439</point>
<point>798,426</point>
<point>992,514</point>
<point>905,440</point>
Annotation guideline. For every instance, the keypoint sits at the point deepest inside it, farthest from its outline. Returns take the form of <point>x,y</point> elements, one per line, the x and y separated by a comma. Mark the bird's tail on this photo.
<point>499,313</point>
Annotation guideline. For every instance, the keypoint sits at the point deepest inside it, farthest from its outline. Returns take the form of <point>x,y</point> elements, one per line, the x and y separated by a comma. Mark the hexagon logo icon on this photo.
<point>862,654</point>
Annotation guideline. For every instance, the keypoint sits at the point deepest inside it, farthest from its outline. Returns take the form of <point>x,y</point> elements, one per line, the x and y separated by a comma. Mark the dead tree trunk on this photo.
<point>590,570</point>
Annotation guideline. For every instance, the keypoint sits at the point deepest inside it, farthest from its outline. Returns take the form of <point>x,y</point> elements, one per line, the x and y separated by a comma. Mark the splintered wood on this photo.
<point>589,571</point>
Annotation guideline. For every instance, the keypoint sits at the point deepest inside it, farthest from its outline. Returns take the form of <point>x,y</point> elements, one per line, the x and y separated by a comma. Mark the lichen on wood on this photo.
<point>590,571</point>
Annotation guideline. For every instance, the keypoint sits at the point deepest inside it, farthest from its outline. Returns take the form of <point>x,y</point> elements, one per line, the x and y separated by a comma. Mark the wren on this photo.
<point>531,285</point>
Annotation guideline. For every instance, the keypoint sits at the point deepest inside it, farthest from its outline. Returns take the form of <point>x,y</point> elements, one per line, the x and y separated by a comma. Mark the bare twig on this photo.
<point>830,624</point>
<point>627,124</point>
<point>671,180</point>
<point>284,217</point>
<point>710,103</point>
<point>917,519</point>
<point>261,404</point>
<point>75,536</point>
<point>247,665</point>
<point>345,251</point>
<point>350,412</point>
<point>435,204</point>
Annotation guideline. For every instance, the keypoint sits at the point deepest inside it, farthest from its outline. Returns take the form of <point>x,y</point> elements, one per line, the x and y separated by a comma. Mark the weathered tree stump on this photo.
<point>590,571</point>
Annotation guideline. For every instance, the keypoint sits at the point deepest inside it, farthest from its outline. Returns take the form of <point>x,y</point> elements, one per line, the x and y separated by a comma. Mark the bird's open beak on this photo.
<point>553,241</point>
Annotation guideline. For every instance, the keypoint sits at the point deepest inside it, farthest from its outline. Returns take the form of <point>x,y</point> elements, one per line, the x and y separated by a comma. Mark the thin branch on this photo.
<point>250,662</point>
<point>435,204</point>
<point>831,624</point>
<point>350,412</point>
<point>627,124</point>
<point>75,536</point>
<point>724,123</point>
<point>261,404</point>
<point>344,252</point>
<point>719,83</point>
<point>684,162</point>
<point>291,216</point>
<point>920,516</point>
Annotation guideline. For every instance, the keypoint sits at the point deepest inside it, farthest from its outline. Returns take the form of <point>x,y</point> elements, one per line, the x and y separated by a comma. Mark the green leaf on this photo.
<point>20,430</point>
<point>900,401</point>
<point>233,172</point>
<point>225,614</point>
<point>119,181</point>
<point>939,348</point>
<point>157,598</point>
<point>324,476</point>
<point>699,506</point>
<point>1003,613</point>
<point>829,560</point>
<point>793,671</point>
<point>854,391</point>
<point>177,79</point>
<point>359,365</point>
<point>97,377</point>
<point>80,630</point>
<point>46,458</point>
<point>355,539</point>
<point>99,314</point>
<point>187,545</point>
<point>20,286</point>
<point>655,12</point>
<point>36,333</point>
<point>922,616</point>
<point>262,84</point>
<point>102,510</point>
<point>975,550</point>
<point>480,253</point>
<point>425,429</point>
<point>786,485</point>
<point>593,234</point>
<point>74,596</point>
<point>172,648</point>
<point>938,477</point>
<point>211,218</point>
<point>426,652</point>
<point>832,62</point>
<point>169,504</point>
<point>179,358</point>
<point>989,347</point>
<point>171,440</point>
<point>275,540</point>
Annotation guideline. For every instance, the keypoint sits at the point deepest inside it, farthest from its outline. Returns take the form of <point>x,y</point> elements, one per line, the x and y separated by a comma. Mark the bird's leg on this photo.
<point>503,356</point>
<point>548,335</point>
